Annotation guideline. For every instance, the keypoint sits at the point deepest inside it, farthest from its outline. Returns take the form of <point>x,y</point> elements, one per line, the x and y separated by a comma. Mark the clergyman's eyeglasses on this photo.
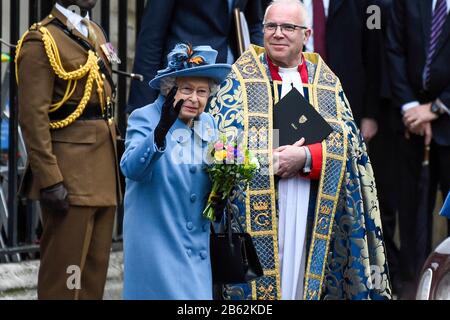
<point>286,28</point>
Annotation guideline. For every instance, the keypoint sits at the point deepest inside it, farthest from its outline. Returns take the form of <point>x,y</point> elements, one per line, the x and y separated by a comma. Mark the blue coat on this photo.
<point>166,239</point>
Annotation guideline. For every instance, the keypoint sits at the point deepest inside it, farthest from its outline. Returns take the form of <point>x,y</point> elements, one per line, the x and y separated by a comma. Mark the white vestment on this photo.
<point>293,200</point>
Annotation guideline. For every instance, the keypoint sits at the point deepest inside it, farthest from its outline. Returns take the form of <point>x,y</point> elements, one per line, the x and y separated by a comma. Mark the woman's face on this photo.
<point>195,93</point>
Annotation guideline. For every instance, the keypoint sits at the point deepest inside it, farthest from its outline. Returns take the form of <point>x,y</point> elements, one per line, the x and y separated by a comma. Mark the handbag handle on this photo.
<point>230,214</point>
<point>230,232</point>
<point>233,216</point>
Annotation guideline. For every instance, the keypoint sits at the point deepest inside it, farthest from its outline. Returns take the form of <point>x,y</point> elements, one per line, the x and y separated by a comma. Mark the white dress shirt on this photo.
<point>448,5</point>
<point>309,8</point>
<point>293,204</point>
<point>74,19</point>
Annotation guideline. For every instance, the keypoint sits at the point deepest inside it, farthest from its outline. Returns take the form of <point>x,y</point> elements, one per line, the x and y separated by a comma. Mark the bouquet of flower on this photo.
<point>232,164</point>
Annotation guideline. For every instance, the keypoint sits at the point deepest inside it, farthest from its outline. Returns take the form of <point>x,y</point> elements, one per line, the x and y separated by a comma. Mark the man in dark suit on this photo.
<point>383,154</point>
<point>168,22</point>
<point>351,50</point>
<point>419,55</point>
<point>356,53</point>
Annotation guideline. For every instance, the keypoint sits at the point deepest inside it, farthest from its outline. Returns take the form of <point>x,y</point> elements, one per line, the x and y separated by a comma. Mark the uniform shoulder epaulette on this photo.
<point>47,20</point>
<point>90,70</point>
<point>44,22</point>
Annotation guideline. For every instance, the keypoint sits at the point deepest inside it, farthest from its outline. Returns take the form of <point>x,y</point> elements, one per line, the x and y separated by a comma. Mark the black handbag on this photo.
<point>233,255</point>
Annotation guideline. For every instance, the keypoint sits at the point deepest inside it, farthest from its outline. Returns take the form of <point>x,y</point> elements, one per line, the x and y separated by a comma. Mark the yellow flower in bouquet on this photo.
<point>232,164</point>
<point>220,155</point>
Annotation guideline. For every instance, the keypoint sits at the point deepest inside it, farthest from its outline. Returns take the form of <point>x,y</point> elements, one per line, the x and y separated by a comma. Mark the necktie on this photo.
<point>91,32</point>
<point>319,26</point>
<point>437,22</point>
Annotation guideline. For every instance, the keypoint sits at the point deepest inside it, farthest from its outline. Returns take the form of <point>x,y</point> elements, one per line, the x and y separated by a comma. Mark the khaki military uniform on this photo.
<point>82,155</point>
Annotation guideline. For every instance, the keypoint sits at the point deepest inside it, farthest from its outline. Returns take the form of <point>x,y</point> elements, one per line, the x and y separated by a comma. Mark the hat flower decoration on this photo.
<point>182,57</point>
<point>187,61</point>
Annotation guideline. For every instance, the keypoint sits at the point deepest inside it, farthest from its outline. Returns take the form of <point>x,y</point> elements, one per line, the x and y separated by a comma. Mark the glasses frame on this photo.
<point>181,89</point>
<point>282,26</point>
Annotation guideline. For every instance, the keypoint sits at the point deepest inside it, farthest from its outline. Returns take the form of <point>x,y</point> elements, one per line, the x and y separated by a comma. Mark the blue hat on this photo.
<point>187,61</point>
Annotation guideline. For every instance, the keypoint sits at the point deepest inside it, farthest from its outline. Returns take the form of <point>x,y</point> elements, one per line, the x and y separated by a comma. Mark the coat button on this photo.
<point>143,160</point>
<point>190,225</point>
<point>148,150</point>
<point>189,252</point>
<point>193,198</point>
<point>146,155</point>
<point>193,169</point>
<point>203,254</point>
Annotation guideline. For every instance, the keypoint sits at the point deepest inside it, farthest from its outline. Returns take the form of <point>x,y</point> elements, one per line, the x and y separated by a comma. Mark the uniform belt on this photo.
<point>92,112</point>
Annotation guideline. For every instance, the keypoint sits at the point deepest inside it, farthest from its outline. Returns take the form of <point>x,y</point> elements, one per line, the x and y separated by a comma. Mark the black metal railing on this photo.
<point>18,229</point>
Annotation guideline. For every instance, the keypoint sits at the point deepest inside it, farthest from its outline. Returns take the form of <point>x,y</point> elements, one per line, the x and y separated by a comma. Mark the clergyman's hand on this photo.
<point>289,160</point>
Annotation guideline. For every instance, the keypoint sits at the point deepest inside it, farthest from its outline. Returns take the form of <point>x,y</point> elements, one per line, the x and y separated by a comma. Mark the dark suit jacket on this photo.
<point>168,22</point>
<point>353,53</point>
<point>408,39</point>
<point>386,14</point>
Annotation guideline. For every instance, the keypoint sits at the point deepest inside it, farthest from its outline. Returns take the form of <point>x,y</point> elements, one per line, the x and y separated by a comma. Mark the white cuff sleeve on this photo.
<point>308,162</point>
<point>409,105</point>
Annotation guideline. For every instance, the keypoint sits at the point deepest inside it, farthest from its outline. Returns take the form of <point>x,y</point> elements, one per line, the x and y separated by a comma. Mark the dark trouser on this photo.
<point>415,224</point>
<point>78,240</point>
<point>383,155</point>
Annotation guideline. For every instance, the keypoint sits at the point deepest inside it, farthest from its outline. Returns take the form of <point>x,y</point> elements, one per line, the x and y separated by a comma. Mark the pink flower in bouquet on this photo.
<point>230,154</point>
<point>230,157</point>
<point>218,146</point>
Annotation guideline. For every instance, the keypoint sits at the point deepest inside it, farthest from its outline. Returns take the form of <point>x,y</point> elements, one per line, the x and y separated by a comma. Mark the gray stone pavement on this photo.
<point>18,281</point>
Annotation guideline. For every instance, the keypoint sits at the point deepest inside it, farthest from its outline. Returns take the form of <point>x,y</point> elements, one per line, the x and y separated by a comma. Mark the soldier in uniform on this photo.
<point>65,93</point>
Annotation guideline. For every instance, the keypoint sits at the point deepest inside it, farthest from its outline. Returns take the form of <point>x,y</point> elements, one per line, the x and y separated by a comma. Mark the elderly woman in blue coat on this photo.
<point>166,239</point>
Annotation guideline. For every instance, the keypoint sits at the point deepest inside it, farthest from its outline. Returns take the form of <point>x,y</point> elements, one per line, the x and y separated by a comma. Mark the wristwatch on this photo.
<point>436,109</point>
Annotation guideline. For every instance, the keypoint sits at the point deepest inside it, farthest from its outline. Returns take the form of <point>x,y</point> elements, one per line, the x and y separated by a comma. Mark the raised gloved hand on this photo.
<point>55,198</point>
<point>169,115</point>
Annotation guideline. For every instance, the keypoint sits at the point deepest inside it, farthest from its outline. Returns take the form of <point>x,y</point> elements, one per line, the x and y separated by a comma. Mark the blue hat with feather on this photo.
<point>187,61</point>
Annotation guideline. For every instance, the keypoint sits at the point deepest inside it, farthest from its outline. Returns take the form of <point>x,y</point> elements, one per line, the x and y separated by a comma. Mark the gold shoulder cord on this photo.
<point>90,69</point>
